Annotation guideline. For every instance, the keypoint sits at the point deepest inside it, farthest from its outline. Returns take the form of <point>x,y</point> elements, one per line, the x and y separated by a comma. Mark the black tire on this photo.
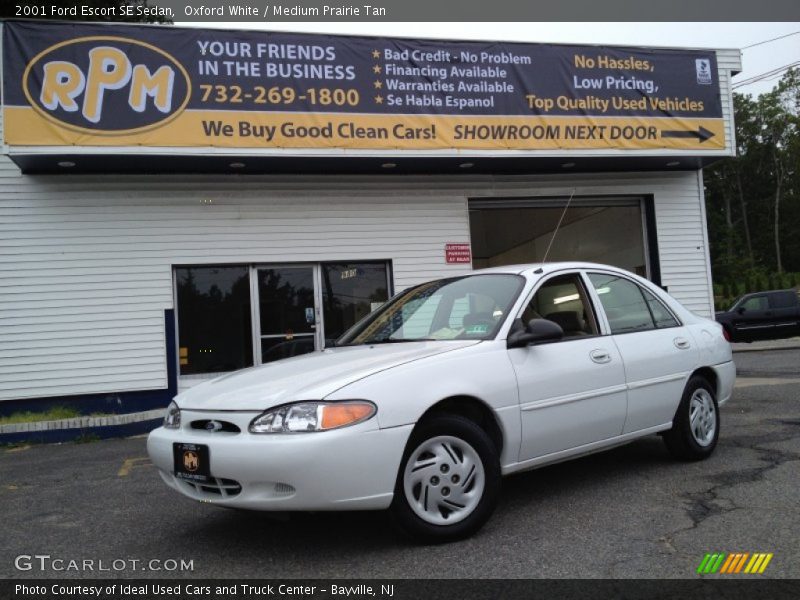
<point>467,431</point>
<point>680,440</point>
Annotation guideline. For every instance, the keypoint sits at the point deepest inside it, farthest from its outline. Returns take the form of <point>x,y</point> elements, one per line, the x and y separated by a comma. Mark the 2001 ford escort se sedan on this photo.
<point>422,406</point>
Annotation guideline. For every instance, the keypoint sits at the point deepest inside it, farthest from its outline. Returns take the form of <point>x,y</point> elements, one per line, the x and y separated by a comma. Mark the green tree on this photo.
<point>753,200</point>
<point>779,131</point>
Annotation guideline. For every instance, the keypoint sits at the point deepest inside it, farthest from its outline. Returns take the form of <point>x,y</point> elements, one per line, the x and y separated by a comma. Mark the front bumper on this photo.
<point>353,468</point>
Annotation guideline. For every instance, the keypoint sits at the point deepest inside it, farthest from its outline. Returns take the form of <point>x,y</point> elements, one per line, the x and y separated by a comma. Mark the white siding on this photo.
<point>729,62</point>
<point>86,262</point>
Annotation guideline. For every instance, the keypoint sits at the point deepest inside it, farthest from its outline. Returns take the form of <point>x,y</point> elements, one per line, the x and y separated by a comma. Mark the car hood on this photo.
<point>309,377</point>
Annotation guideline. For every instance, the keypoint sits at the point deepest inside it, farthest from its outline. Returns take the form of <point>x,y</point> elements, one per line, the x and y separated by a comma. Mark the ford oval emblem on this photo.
<point>213,426</point>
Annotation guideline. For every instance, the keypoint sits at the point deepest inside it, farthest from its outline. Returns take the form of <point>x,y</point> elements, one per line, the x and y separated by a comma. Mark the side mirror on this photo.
<point>741,310</point>
<point>537,331</point>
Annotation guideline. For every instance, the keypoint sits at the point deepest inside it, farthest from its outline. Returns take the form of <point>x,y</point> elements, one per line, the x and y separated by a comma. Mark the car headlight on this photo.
<point>312,416</point>
<point>172,418</point>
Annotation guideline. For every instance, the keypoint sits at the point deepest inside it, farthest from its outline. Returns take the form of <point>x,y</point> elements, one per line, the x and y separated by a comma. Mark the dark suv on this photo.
<point>762,316</point>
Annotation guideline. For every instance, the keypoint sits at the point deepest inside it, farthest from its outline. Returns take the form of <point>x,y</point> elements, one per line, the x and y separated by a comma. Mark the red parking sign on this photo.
<point>457,253</point>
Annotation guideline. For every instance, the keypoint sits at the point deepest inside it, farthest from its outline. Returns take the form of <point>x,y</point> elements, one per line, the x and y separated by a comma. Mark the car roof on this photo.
<point>788,290</point>
<point>549,267</point>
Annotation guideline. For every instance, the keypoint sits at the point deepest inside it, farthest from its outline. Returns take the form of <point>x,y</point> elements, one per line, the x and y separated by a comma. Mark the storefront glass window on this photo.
<point>350,291</point>
<point>215,323</point>
<point>214,327</point>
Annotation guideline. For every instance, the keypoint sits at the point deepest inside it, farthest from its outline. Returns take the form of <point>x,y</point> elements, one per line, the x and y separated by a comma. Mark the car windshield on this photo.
<point>459,308</point>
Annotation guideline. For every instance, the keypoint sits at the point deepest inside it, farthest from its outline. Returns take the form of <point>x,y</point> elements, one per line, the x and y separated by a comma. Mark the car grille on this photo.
<point>283,489</point>
<point>215,426</point>
<point>219,488</point>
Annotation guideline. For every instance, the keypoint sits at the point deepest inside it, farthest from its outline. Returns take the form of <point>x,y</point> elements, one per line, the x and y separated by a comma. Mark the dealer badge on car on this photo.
<point>191,461</point>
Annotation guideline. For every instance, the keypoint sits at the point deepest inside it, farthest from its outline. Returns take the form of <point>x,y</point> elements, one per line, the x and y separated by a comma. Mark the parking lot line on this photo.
<point>743,382</point>
<point>18,449</point>
<point>130,463</point>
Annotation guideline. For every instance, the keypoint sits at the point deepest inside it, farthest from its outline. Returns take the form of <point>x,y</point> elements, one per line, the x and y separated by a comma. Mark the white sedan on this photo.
<point>422,406</point>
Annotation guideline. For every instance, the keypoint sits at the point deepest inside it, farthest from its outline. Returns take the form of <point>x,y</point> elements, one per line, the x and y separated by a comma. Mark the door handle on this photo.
<point>600,356</point>
<point>681,343</point>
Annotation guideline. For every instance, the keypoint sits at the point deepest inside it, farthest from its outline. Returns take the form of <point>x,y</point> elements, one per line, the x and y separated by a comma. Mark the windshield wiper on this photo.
<point>401,340</point>
<point>388,341</point>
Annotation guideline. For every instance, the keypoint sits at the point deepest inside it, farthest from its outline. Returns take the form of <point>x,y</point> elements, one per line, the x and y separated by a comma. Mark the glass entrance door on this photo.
<point>286,311</point>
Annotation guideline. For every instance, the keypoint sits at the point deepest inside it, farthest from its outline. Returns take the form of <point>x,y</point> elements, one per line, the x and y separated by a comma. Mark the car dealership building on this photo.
<point>179,203</point>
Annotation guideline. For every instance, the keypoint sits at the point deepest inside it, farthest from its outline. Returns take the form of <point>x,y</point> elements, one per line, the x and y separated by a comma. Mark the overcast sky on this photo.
<point>755,61</point>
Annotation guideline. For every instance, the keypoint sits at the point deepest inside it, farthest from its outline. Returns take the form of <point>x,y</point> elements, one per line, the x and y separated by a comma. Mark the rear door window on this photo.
<point>625,306</point>
<point>782,300</point>
<point>661,315</point>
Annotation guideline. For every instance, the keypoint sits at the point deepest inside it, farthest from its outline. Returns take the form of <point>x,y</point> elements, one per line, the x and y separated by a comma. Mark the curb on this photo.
<point>766,348</point>
<point>82,428</point>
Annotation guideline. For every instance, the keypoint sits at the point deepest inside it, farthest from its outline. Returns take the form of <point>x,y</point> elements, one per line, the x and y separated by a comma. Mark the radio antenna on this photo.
<point>555,231</point>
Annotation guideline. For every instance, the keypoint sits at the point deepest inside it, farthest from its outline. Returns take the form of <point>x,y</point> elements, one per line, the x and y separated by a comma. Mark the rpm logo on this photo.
<point>106,85</point>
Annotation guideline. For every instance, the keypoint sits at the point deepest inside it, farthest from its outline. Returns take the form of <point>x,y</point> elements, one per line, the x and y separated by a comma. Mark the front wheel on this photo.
<point>449,480</point>
<point>695,428</point>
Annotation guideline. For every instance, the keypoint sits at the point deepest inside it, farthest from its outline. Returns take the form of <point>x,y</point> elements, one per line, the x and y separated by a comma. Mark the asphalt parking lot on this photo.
<point>632,512</point>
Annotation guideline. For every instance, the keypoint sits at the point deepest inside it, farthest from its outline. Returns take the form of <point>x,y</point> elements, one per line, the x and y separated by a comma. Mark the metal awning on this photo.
<point>65,163</point>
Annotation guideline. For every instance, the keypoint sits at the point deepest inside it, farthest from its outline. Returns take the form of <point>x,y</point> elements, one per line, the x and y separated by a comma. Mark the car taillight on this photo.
<point>726,335</point>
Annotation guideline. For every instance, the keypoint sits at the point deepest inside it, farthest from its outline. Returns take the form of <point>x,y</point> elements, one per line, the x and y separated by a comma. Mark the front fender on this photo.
<point>404,393</point>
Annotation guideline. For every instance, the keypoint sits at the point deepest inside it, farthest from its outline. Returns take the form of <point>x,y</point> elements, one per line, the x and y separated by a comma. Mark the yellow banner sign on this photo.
<point>128,86</point>
<point>227,129</point>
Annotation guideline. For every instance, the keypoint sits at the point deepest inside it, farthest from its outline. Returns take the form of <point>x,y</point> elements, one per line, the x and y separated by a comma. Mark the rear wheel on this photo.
<point>695,428</point>
<point>449,480</point>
